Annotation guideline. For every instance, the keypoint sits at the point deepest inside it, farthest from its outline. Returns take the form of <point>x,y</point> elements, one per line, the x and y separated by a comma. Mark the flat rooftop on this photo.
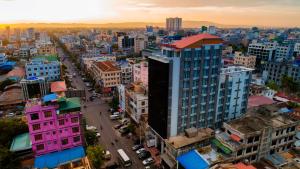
<point>259,118</point>
<point>182,140</point>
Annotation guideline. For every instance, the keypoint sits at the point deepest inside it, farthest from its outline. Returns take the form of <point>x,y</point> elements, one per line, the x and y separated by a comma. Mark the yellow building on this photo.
<point>247,61</point>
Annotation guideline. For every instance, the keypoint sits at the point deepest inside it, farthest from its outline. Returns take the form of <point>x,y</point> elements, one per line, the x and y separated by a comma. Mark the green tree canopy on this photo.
<point>96,155</point>
<point>8,159</point>
<point>272,85</point>
<point>9,128</point>
<point>90,137</point>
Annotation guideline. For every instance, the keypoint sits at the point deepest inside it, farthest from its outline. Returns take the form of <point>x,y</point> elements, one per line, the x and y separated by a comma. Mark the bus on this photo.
<point>124,158</point>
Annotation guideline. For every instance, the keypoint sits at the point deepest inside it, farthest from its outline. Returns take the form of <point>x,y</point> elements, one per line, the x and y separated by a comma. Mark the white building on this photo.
<point>122,99</point>
<point>212,30</point>
<point>136,101</point>
<point>297,48</point>
<point>140,72</point>
<point>126,75</point>
<point>234,87</point>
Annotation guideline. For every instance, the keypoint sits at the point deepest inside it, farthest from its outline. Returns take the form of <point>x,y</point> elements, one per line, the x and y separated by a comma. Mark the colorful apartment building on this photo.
<point>54,124</point>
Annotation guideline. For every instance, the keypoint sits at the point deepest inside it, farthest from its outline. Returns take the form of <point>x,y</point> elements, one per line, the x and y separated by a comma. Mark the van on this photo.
<point>114,117</point>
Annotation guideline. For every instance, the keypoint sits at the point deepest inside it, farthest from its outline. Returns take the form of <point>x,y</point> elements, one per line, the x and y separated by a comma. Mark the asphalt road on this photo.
<point>93,118</point>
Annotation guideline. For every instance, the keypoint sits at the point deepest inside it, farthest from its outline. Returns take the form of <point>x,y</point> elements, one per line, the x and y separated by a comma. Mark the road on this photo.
<point>94,118</point>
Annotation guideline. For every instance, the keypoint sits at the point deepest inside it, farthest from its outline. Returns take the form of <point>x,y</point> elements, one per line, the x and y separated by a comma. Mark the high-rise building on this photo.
<point>234,86</point>
<point>183,85</point>
<point>173,24</point>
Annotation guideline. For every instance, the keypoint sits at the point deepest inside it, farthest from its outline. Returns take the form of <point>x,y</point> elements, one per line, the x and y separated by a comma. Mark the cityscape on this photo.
<point>149,84</point>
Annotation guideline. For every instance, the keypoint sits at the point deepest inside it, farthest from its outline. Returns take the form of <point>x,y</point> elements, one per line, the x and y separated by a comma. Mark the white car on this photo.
<point>98,134</point>
<point>140,150</point>
<point>148,161</point>
<point>91,127</point>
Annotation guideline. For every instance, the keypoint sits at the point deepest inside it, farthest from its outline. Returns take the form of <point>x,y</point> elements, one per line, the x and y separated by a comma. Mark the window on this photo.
<point>64,141</point>
<point>240,152</point>
<point>61,122</point>
<point>34,116</point>
<point>250,139</point>
<point>248,150</point>
<point>74,120</point>
<point>254,148</point>
<point>75,129</point>
<point>36,127</point>
<point>48,114</point>
<point>76,139</point>
<point>143,103</point>
<point>40,147</point>
<point>38,137</point>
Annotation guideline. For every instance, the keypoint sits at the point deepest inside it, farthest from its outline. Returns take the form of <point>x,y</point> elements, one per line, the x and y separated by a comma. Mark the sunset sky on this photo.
<point>233,12</point>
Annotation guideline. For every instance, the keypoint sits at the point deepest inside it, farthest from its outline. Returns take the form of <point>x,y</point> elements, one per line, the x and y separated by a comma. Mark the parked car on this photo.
<point>145,154</point>
<point>114,117</point>
<point>107,155</point>
<point>98,134</point>
<point>140,150</point>
<point>90,127</point>
<point>148,161</point>
<point>136,147</point>
<point>117,126</point>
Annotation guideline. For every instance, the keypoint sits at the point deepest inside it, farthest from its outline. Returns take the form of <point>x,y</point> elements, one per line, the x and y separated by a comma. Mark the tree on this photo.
<point>272,85</point>
<point>96,155</point>
<point>8,159</point>
<point>114,103</point>
<point>90,137</point>
<point>289,85</point>
<point>9,128</point>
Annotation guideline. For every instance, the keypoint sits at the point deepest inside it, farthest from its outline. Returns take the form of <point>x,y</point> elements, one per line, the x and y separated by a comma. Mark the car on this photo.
<point>136,147</point>
<point>148,161</point>
<point>147,167</point>
<point>140,150</point>
<point>117,126</point>
<point>91,127</point>
<point>98,134</point>
<point>107,155</point>
<point>114,117</point>
<point>144,155</point>
<point>10,115</point>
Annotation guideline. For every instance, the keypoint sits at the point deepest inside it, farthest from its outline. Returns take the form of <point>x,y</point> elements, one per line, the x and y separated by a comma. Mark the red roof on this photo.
<point>244,166</point>
<point>58,86</point>
<point>107,66</point>
<point>283,95</point>
<point>255,101</point>
<point>185,42</point>
<point>235,137</point>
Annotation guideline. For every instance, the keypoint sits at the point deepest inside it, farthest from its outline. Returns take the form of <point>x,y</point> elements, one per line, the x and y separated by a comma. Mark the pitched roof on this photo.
<point>107,66</point>
<point>192,160</point>
<point>69,104</point>
<point>185,42</point>
<point>58,86</point>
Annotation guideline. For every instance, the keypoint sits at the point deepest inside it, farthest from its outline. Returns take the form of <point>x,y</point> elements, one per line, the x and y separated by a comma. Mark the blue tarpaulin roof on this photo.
<point>285,110</point>
<point>192,160</point>
<point>49,97</point>
<point>55,159</point>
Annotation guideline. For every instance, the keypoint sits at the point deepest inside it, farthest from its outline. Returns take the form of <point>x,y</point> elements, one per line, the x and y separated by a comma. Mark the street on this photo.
<point>93,118</point>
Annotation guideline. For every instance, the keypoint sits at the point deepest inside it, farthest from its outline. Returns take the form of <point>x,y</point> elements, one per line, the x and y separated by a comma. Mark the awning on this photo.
<point>235,137</point>
<point>219,145</point>
<point>192,160</point>
<point>53,160</point>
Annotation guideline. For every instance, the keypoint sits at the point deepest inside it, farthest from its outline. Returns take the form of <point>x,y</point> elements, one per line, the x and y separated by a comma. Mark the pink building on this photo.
<point>140,73</point>
<point>54,125</point>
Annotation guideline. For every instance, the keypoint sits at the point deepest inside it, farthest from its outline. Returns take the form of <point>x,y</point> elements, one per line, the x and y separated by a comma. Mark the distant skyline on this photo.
<point>279,13</point>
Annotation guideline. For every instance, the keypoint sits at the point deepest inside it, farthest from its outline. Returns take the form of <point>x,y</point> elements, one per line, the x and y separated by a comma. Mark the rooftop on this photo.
<point>255,101</point>
<point>11,96</point>
<point>199,39</point>
<point>107,66</point>
<point>69,104</point>
<point>259,118</point>
<point>50,58</point>
<point>192,160</point>
<point>53,160</point>
<point>58,86</point>
<point>21,142</point>
<point>182,140</point>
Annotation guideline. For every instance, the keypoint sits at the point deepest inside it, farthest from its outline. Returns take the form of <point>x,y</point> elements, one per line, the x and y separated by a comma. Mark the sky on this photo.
<point>231,12</point>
